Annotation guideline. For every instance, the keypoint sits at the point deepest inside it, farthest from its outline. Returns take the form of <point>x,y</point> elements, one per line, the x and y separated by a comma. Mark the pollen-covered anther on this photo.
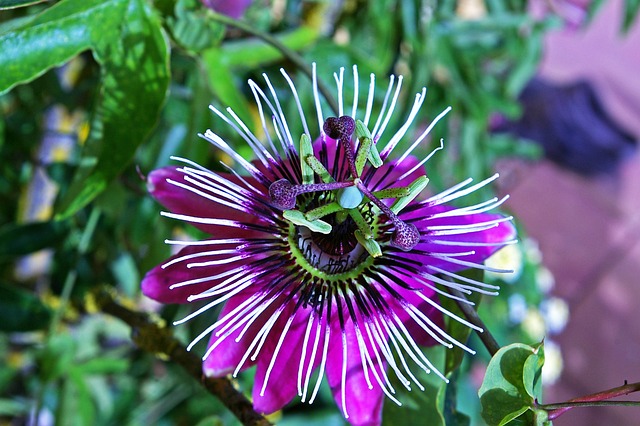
<point>283,194</point>
<point>339,128</point>
<point>405,236</point>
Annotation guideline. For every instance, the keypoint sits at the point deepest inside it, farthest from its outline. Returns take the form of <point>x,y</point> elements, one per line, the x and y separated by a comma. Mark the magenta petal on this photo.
<point>282,385</point>
<point>181,201</point>
<point>363,405</point>
<point>157,282</point>
<point>232,8</point>
<point>226,356</point>
<point>410,297</point>
<point>496,235</point>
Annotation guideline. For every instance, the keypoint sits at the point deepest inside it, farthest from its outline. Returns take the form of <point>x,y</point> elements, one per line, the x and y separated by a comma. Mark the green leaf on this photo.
<point>224,85</point>
<point>19,240</point>
<point>511,383</point>
<point>448,395</point>
<point>211,421</point>
<point>76,406</point>
<point>11,4</point>
<point>133,52</point>
<point>593,8</point>
<point>254,53</point>
<point>128,41</point>
<point>532,374</point>
<point>21,311</point>
<point>13,408</point>
<point>103,366</point>
<point>57,357</point>
<point>52,38</point>
<point>191,27</point>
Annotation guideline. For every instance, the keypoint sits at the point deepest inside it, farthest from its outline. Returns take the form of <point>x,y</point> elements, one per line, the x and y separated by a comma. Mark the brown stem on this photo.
<point>594,399</point>
<point>151,336</point>
<point>472,316</point>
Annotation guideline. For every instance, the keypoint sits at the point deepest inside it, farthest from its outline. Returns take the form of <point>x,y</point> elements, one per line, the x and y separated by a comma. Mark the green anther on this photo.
<point>349,197</point>
<point>415,188</point>
<point>361,223</point>
<point>317,167</point>
<point>392,192</point>
<point>306,148</point>
<point>363,153</point>
<point>362,132</point>
<point>374,156</point>
<point>297,218</point>
<point>323,211</point>
<point>369,244</point>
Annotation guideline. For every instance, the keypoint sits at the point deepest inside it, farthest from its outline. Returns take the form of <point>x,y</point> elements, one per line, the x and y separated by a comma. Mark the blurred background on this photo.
<point>544,92</point>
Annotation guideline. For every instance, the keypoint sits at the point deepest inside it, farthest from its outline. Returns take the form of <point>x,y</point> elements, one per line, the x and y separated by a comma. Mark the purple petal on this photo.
<point>232,8</point>
<point>156,283</point>
<point>493,236</point>
<point>411,297</point>
<point>224,359</point>
<point>282,385</point>
<point>181,201</point>
<point>363,405</point>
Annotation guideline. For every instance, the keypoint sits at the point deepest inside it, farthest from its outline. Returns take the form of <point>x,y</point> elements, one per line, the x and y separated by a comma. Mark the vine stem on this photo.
<point>472,316</point>
<point>597,399</point>
<point>151,336</point>
<point>288,53</point>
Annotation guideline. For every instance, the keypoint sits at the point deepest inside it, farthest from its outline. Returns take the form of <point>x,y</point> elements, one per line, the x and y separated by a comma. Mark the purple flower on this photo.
<point>324,255</point>
<point>232,8</point>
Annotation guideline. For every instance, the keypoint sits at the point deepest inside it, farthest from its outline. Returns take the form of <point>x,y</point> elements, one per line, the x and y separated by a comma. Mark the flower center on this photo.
<point>329,233</point>
<point>332,256</point>
<point>328,253</point>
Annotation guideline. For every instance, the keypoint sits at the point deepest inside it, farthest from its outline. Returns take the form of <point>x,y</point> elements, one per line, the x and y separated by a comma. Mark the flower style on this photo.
<point>324,255</point>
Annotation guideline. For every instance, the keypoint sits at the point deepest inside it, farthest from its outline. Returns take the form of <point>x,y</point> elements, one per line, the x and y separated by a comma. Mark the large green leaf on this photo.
<point>127,40</point>
<point>53,37</point>
<point>512,384</point>
<point>135,76</point>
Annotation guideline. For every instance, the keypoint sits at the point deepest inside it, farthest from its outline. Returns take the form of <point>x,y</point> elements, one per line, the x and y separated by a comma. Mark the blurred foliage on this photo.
<point>96,94</point>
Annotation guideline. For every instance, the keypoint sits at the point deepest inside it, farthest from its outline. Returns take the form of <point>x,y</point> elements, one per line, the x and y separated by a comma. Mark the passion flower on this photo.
<point>325,255</point>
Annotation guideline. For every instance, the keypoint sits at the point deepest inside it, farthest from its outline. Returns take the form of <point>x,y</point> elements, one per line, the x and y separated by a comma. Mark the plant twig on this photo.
<point>288,53</point>
<point>472,316</point>
<point>152,337</point>
<point>597,399</point>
